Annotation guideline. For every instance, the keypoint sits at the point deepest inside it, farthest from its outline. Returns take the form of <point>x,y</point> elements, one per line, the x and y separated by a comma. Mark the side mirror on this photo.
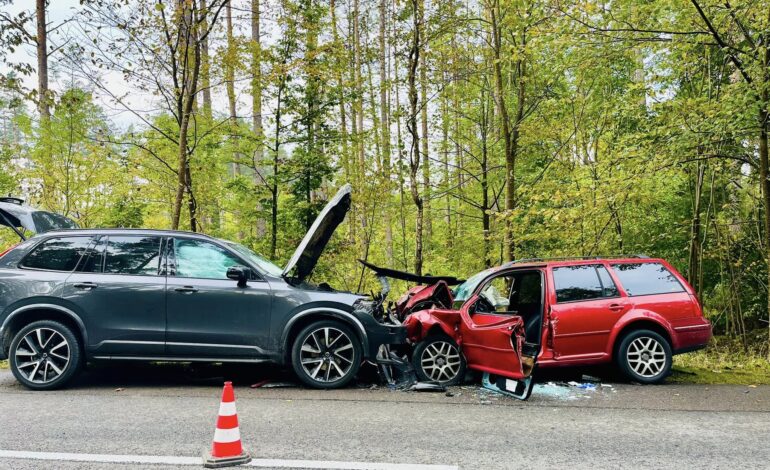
<point>240,274</point>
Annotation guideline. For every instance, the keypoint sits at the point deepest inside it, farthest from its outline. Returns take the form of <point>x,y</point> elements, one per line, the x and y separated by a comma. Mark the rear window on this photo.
<point>586,282</point>
<point>646,279</point>
<point>57,254</point>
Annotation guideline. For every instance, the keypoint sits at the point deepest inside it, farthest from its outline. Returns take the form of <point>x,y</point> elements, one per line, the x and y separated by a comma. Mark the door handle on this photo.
<point>186,289</point>
<point>616,307</point>
<point>85,285</point>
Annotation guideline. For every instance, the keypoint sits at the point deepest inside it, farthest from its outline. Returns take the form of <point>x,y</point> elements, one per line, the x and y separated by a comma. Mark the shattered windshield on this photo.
<point>464,290</point>
<point>262,263</point>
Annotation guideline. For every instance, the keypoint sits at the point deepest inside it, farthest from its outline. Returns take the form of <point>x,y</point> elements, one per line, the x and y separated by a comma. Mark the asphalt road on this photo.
<point>171,411</point>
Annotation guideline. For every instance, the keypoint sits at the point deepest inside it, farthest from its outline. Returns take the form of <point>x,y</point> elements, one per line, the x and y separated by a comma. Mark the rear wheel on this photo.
<point>326,354</point>
<point>645,356</point>
<point>438,359</point>
<point>45,355</point>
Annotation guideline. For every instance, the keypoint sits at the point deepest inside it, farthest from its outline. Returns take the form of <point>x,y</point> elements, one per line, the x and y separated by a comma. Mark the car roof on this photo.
<point>577,261</point>
<point>128,231</point>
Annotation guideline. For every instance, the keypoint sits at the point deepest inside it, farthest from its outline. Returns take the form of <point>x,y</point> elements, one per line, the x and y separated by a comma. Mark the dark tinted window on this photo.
<point>132,255</point>
<point>577,283</point>
<point>608,286</point>
<point>646,278</point>
<point>57,254</point>
<point>529,288</point>
<point>93,262</point>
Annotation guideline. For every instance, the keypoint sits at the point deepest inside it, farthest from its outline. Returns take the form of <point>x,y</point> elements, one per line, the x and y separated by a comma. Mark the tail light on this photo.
<point>9,249</point>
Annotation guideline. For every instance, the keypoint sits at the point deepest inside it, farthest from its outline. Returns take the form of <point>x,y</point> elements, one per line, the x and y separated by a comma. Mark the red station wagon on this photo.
<point>638,312</point>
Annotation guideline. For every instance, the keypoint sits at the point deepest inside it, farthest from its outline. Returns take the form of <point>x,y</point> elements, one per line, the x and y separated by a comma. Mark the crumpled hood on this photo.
<point>305,258</point>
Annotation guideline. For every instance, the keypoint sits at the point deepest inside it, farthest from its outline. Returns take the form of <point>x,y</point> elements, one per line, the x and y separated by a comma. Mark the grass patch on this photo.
<point>723,362</point>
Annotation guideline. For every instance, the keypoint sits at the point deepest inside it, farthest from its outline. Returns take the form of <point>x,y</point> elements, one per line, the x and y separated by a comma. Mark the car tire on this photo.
<point>326,354</point>
<point>644,356</point>
<point>438,359</point>
<point>45,355</point>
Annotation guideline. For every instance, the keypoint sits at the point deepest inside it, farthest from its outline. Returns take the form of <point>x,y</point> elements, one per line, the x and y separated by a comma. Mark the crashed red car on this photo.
<point>636,311</point>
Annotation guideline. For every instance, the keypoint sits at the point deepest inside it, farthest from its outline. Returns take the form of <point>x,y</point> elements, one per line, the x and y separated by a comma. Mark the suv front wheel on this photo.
<point>326,354</point>
<point>644,356</point>
<point>44,355</point>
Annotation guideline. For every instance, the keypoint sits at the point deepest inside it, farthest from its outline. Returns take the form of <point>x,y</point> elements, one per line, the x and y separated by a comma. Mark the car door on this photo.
<point>122,294</point>
<point>209,315</point>
<point>491,342</point>
<point>585,305</point>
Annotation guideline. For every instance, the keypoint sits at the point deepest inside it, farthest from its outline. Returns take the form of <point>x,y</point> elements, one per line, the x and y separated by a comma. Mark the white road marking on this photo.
<point>174,460</point>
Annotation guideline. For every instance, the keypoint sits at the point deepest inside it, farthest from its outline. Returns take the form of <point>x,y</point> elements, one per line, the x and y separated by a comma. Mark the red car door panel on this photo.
<point>492,343</point>
<point>582,329</point>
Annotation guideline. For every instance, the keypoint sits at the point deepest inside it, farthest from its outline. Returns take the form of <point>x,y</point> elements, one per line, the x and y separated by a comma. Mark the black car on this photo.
<point>68,296</point>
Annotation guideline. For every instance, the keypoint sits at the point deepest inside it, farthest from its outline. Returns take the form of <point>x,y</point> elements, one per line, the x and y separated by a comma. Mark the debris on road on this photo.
<point>260,384</point>
<point>427,387</point>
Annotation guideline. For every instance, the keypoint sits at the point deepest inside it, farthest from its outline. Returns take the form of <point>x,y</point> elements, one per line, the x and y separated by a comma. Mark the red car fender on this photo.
<point>633,316</point>
<point>419,324</point>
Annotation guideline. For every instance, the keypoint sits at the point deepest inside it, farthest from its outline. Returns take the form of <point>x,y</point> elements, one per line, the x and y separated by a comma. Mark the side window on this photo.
<point>529,289</point>
<point>646,279</point>
<point>202,260</point>
<point>498,293</point>
<point>57,254</point>
<point>608,286</point>
<point>577,283</point>
<point>94,260</point>
<point>135,255</point>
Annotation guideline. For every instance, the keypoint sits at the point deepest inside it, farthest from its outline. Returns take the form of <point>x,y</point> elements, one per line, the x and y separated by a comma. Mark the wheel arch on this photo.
<point>27,314</point>
<point>644,323</point>
<point>306,317</point>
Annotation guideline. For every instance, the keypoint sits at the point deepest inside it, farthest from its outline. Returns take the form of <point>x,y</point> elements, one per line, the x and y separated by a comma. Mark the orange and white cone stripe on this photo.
<point>227,448</point>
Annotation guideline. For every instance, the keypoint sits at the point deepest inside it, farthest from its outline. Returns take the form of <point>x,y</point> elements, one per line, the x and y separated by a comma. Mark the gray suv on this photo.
<point>68,296</point>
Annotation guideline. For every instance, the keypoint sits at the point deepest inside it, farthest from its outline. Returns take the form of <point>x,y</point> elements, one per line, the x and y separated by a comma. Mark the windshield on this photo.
<point>464,290</point>
<point>262,263</point>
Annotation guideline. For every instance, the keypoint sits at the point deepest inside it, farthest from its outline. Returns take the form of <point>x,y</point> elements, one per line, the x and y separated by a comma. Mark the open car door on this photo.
<point>494,344</point>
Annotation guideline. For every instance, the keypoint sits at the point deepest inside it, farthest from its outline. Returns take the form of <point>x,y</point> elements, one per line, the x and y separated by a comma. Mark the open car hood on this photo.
<point>309,250</point>
<point>17,216</point>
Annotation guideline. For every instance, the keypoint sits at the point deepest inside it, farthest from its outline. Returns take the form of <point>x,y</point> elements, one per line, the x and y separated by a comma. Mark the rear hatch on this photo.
<point>24,219</point>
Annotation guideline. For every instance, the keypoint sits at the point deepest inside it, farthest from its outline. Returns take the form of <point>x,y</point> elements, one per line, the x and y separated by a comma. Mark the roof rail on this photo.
<point>12,200</point>
<point>573,258</point>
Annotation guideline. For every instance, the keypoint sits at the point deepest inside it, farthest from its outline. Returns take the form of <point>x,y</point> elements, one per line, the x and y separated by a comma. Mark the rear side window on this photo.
<point>646,279</point>
<point>57,254</point>
<point>583,283</point>
<point>136,255</point>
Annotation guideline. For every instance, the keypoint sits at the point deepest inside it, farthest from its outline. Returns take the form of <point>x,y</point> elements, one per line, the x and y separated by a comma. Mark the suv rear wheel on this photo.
<point>644,356</point>
<point>326,354</point>
<point>45,355</point>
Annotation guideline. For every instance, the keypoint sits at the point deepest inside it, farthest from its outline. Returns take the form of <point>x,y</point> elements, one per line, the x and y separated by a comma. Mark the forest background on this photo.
<point>473,132</point>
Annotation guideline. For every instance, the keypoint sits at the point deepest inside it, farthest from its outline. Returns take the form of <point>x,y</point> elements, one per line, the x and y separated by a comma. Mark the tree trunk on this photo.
<point>205,64</point>
<point>694,269</point>
<point>42,62</point>
<point>426,194</point>
<point>414,154</point>
<point>385,134</point>
<point>229,72</point>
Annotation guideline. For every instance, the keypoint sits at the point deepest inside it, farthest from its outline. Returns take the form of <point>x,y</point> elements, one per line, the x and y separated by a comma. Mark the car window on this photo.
<point>609,289</point>
<point>577,283</point>
<point>93,262</point>
<point>646,279</point>
<point>528,288</point>
<point>136,255</point>
<point>203,260</point>
<point>498,292</point>
<point>57,254</point>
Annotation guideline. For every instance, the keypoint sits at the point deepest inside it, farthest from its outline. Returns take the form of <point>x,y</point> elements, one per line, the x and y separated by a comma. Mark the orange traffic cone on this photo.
<point>226,450</point>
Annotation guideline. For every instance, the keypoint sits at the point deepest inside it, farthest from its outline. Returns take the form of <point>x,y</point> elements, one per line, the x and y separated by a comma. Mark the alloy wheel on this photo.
<point>646,356</point>
<point>327,354</point>
<point>441,361</point>
<point>42,355</point>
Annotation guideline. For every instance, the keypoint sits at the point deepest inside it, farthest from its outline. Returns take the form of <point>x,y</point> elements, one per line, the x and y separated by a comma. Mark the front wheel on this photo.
<point>45,355</point>
<point>326,354</point>
<point>438,359</point>
<point>645,357</point>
